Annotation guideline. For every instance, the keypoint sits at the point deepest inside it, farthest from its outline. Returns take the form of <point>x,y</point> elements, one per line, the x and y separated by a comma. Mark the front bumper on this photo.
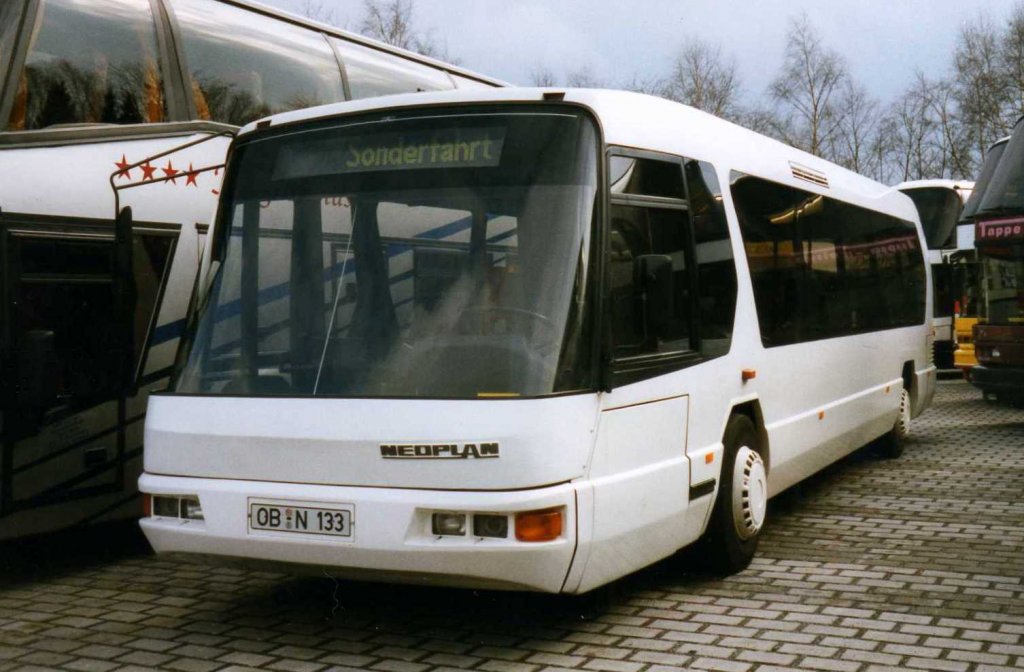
<point>392,539</point>
<point>1000,380</point>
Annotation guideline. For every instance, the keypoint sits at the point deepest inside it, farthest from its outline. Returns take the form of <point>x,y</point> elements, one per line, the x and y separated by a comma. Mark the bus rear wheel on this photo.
<point>892,444</point>
<point>739,514</point>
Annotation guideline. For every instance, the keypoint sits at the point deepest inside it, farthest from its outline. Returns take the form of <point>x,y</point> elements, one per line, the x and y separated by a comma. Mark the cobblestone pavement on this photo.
<point>910,564</point>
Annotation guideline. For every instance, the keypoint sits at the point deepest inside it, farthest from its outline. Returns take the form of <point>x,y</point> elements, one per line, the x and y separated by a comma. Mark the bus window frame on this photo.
<point>180,106</point>
<point>19,54</point>
<point>623,370</point>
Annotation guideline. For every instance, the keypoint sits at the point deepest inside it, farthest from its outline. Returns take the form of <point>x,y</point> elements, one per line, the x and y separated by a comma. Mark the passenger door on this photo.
<point>62,384</point>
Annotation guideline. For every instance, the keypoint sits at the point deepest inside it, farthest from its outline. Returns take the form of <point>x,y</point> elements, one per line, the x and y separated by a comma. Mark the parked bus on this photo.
<point>549,338</point>
<point>93,87</point>
<point>998,215</point>
<point>939,204</point>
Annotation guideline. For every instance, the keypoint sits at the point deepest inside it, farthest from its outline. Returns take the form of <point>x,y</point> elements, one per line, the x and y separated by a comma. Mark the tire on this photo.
<point>892,444</point>
<point>730,542</point>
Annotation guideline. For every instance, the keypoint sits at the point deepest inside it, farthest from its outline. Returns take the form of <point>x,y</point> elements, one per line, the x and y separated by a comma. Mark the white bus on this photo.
<point>549,338</point>
<point>93,87</point>
<point>950,248</point>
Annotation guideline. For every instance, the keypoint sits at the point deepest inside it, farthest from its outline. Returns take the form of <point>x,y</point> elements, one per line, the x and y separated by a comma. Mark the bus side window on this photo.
<point>716,268</point>
<point>648,219</point>
<point>767,214</point>
<point>822,268</point>
<point>260,66</point>
<point>61,289</point>
<point>90,62</point>
<point>374,73</point>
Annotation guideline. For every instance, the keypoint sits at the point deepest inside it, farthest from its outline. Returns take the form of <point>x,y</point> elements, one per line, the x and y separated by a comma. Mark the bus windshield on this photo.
<point>1003,283</point>
<point>432,254</point>
<point>939,209</point>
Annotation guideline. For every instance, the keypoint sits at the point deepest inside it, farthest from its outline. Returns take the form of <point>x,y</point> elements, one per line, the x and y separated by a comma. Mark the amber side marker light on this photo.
<point>545,525</point>
<point>147,505</point>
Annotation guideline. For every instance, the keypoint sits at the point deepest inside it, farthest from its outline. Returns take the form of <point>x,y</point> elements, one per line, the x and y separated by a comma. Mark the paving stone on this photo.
<point>871,566</point>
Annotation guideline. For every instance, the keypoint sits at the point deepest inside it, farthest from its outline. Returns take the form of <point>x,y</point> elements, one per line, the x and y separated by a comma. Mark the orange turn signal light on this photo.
<point>544,525</point>
<point>147,505</point>
<point>748,374</point>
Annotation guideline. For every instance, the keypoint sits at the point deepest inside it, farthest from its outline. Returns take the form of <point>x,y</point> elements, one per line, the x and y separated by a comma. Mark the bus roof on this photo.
<point>667,126</point>
<point>959,185</point>
<point>362,39</point>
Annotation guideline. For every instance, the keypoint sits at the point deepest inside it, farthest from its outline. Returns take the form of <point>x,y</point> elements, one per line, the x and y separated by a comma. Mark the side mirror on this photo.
<point>652,277</point>
<point>124,300</point>
<point>38,371</point>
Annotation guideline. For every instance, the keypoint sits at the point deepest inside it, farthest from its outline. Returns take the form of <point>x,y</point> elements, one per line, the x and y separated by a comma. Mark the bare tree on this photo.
<point>391,21</point>
<point>583,78</point>
<point>1011,61</point>
<point>653,86</point>
<point>980,87</point>
<point>542,76</point>
<point>315,10</point>
<point>701,78</point>
<point>807,89</point>
<point>853,144</point>
<point>761,119</point>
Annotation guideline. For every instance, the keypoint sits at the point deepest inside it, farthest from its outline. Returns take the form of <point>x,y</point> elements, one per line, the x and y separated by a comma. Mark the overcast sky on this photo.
<point>883,41</point>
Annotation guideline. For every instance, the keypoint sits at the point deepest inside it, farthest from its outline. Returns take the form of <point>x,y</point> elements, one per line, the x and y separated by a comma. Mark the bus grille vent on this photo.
<point>809,174</point>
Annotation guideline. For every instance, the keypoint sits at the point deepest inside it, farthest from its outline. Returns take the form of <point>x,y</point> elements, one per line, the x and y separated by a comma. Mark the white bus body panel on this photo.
<point>338,441</point>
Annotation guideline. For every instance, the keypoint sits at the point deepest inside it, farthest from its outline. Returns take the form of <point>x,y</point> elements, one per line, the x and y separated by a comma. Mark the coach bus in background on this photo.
<point>552,337</point>
<point>939,204</point>
<point>94,87</point>
<point>998,216</point>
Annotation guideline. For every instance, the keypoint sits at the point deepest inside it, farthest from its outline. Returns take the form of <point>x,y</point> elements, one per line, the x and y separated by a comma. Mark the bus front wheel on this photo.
<point>738,517</point>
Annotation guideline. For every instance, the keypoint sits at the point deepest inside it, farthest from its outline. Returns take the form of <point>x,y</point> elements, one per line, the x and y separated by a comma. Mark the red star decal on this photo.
<point>147,171</point>
<point>170,171</point>
<point>190,176</point>
<point>123,165</point>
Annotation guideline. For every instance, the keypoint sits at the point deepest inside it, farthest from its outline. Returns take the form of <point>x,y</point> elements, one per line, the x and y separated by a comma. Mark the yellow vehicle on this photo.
<point>963,356</point>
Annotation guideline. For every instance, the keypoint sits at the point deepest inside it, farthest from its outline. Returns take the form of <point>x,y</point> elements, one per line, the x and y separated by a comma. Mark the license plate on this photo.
<point>331,520</point>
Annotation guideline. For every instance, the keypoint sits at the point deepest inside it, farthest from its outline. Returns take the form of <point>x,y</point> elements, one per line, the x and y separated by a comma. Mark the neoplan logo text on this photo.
<point>438,451</point>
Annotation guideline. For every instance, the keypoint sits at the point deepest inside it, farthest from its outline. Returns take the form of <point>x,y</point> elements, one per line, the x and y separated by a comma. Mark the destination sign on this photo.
<point>1008,230</point>
<point>415,150</point>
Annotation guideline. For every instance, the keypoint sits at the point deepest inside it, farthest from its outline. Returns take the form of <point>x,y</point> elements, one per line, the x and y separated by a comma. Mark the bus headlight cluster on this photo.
<point>529,526</point>
<point>187,508</point>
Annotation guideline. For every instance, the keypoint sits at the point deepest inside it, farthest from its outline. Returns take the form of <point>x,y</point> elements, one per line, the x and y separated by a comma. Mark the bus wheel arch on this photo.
<point>892,443</point>
<point>737,518</point>
<point>752,410</point>
<point>910,381</point>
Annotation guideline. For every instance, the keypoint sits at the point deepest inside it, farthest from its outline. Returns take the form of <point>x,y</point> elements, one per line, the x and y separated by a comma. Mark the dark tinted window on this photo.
<point>716,268</point>
<point>90,62</point>
<point>988,168</point>
<point>63,287</point>
<point>1005,192</point>
<point>637,231</point>
<point>245,65</point>
<point>645,177</point>
<point>374,73</point>
<point>939,210</point>
<point>823,268</point>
